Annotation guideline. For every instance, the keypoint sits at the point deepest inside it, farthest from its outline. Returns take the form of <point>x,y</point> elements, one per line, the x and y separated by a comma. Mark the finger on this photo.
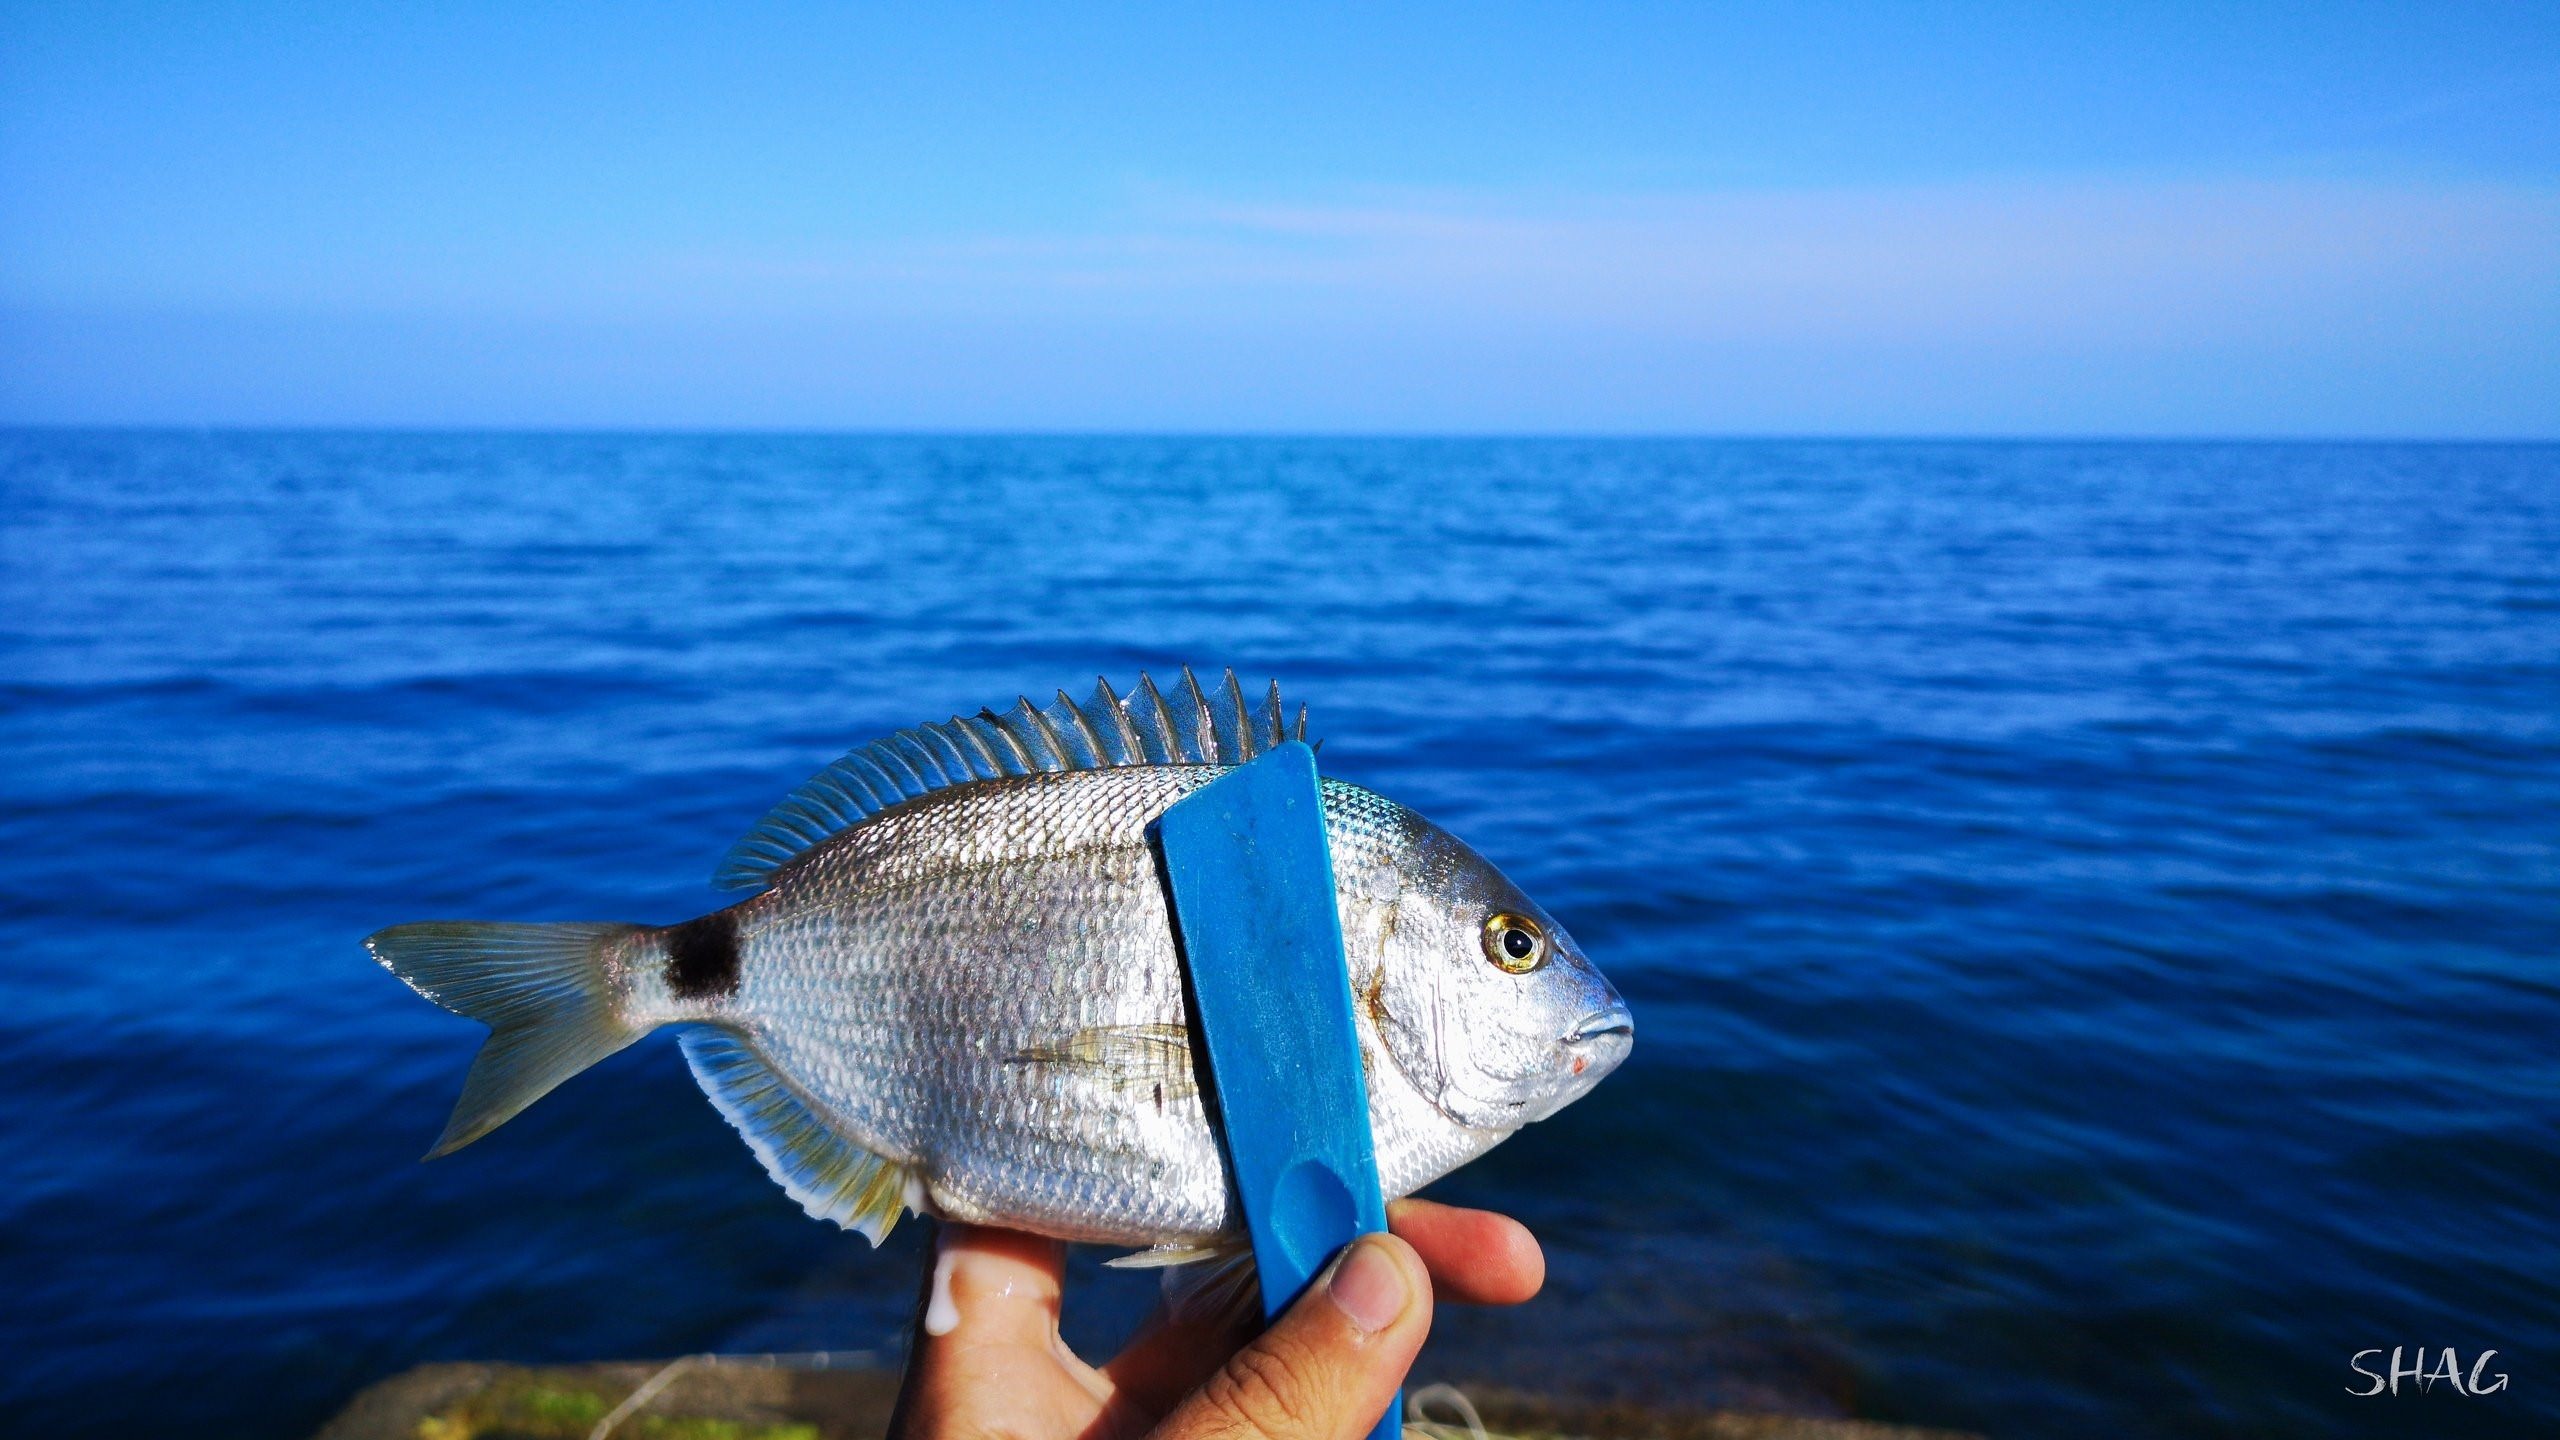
<point>986,1357</point>
<point>1176,1349</point>
<point>991,1287</point>
<point>1475,1256</point>
<point>1327,1368</point>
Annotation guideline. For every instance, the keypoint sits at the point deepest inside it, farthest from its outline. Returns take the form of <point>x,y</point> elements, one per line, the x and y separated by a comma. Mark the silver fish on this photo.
<point>956,989</point>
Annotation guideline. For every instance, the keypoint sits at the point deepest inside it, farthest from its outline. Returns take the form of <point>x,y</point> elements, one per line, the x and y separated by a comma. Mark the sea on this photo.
<point>2091,911</point>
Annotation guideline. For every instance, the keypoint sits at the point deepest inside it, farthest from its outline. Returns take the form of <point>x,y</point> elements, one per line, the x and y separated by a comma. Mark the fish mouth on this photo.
<point>1595,1045</point>
<point>1602,1024</point>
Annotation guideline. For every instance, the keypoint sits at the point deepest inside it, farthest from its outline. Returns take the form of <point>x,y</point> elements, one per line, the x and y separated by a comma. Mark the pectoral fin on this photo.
<point>1131,1059</point>
<point>1214,1282</point>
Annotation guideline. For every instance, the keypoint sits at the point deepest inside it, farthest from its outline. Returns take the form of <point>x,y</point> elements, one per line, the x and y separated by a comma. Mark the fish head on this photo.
<point>1487,1006</point>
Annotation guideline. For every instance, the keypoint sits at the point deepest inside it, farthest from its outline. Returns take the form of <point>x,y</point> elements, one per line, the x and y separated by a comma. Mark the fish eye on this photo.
<point>1514,942</point>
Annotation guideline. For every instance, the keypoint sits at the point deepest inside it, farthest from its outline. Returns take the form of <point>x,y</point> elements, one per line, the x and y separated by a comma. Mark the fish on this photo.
<point>953,986</point>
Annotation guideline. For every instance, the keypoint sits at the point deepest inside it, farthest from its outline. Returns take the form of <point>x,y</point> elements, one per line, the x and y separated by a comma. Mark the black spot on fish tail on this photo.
<point>702,957</point>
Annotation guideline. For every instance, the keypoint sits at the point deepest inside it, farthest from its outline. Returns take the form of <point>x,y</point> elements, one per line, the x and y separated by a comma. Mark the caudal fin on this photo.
<point>539,988</point>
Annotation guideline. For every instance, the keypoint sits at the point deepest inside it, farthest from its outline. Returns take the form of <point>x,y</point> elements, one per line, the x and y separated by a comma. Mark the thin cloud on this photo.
<point>2150,261</point>
<point>2125,307</point>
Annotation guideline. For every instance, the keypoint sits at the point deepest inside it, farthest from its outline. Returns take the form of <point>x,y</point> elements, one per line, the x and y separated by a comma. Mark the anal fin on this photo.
<point>832,1177</point>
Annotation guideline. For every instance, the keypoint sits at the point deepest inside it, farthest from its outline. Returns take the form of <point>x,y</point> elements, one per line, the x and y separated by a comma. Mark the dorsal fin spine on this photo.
<point>1204,718</point>
<point>1056,742</point>
<point>795,821</point>
<point>920,759</point>
<point>808,809</point>
<point>919,756</point>
<point>821,807</point>
<point>946,757</point>
<point>861,779</point>
<point>1008,728</point>
<point>1204,734</point>
<point>1104,719</point>
<point>978,744</point>
<point>1161,725</point>
<point>904,776</point>
<point>866,777</point>
<point>1132,748</point>
<point>947,735</point>
<point>1009,724</point>
<point>1242,719</point>
<point>920,744</point>
<point>1177,719</point>
<point>988,720</point>
<point>890,761</point>
<point>853,787</point>
<point>1084,729</point>
<point>1192,726</point>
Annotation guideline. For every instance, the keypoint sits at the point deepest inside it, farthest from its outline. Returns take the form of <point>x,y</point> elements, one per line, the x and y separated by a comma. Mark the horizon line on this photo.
<point>930,432</point>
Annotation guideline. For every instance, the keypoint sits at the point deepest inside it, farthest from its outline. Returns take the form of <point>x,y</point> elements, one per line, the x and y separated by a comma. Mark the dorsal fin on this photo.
<point>1191,726</point>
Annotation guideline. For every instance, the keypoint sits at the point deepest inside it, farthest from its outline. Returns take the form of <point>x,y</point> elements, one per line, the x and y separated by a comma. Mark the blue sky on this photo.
<point>1858,219</point>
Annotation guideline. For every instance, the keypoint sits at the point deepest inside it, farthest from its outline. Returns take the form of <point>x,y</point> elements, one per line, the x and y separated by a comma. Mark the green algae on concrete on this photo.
<point>701,1402</point>
<point>531,1408</point>
<point>715,1400</point>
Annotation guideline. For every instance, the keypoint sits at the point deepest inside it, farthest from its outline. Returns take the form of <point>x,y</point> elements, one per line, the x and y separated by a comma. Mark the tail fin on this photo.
<point>539,988</point>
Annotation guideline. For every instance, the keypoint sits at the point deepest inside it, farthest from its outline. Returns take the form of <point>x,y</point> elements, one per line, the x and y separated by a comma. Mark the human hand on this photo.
<point>1324,1370</point>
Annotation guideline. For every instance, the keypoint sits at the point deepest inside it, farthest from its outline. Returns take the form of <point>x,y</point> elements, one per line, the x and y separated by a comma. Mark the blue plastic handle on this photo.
<point>1253,898</point>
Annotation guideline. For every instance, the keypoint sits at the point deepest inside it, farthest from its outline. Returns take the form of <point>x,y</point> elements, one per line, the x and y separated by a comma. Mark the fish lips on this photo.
<point>1596,1045</point>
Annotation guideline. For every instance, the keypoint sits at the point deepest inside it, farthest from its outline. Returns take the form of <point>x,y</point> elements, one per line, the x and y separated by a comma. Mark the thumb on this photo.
<point>1327,1368</point>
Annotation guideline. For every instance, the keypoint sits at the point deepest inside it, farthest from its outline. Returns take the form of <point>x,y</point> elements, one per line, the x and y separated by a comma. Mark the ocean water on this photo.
<point>2092,911</point>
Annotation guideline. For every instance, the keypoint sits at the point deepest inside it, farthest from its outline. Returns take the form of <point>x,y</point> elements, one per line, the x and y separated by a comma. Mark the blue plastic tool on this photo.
<point>1253,897</point>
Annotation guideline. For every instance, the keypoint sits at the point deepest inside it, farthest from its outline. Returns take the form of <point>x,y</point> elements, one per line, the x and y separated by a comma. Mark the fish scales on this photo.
<point>903,971</point>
